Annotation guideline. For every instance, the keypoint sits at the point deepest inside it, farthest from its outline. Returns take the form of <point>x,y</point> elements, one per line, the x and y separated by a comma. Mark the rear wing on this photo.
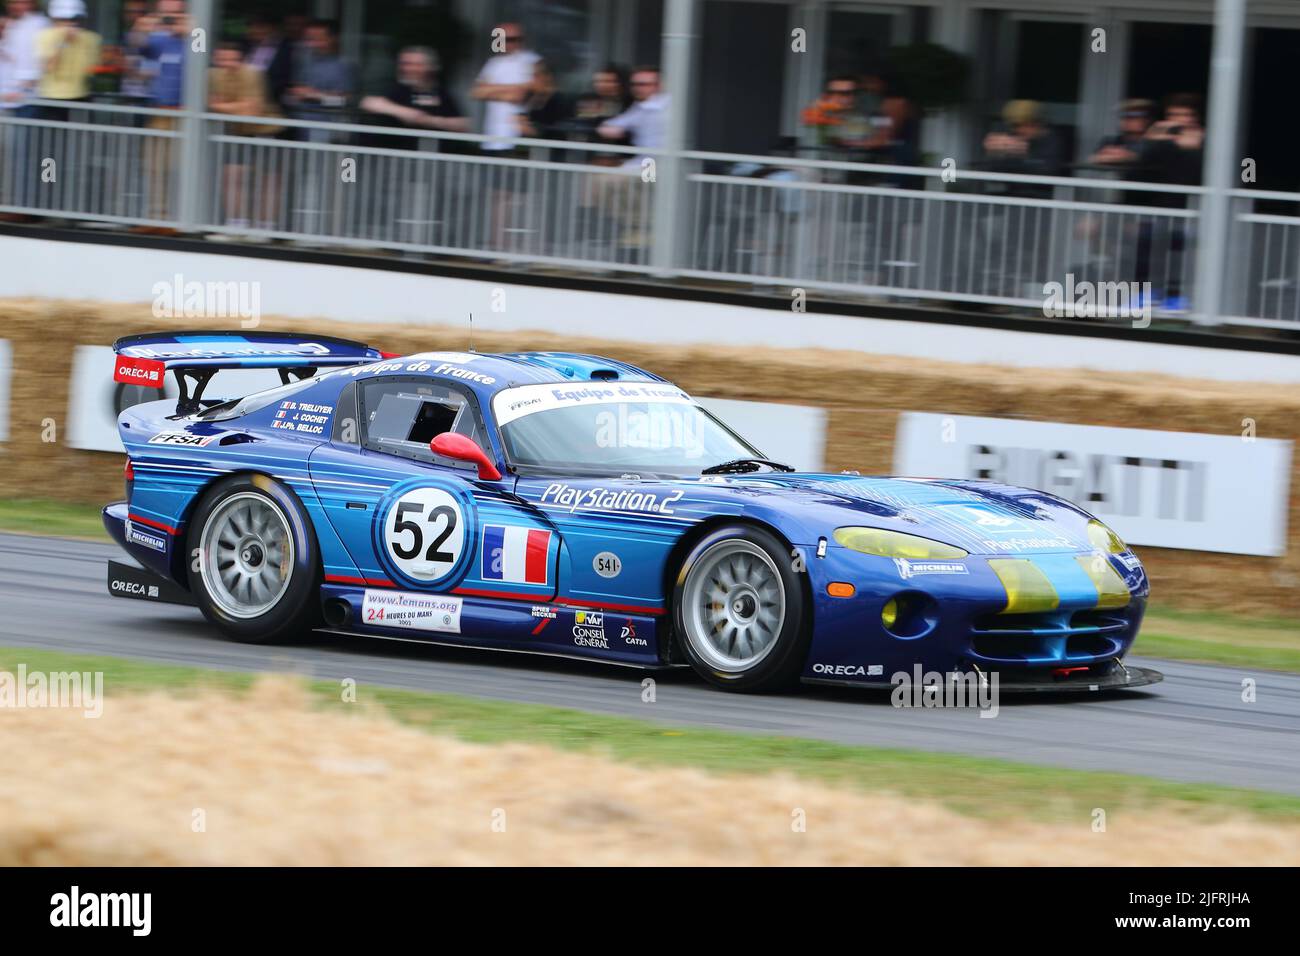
<point>194,357</point>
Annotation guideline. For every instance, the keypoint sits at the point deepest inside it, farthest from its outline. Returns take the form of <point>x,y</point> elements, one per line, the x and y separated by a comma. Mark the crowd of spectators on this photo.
<point>291,67</point>
<point>282,69</point>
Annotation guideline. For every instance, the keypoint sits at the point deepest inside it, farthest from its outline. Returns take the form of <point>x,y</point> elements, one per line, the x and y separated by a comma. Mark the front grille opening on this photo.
<point>1090,645</point>
<point>1009,647</point>
<point>1048,621</point>
<point>1044,649</point>
<point>1105,621</point>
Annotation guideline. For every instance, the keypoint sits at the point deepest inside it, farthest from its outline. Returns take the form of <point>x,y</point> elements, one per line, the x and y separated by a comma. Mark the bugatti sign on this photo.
<point>1167,489</point>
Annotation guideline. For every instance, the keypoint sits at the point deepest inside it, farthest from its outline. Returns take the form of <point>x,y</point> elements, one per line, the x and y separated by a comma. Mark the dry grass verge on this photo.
<point>281,784</point>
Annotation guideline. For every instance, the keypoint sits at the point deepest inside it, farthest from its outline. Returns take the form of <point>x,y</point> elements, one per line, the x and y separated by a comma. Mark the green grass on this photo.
<point>40,516</point>
<point>1216,638</point>
<point>971,785</point>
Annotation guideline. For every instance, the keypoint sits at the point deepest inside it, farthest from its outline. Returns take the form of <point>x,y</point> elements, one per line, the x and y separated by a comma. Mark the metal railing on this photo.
<point>846,229</point>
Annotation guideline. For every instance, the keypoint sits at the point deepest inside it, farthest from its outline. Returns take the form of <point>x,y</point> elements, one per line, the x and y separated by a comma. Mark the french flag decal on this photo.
<point>515,554</point>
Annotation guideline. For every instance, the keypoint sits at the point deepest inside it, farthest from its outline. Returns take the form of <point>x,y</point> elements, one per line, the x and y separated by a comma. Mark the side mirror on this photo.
<point>463,448</point>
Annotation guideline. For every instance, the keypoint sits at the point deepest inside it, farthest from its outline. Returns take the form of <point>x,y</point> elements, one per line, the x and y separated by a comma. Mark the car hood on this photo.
<point>982,517</point>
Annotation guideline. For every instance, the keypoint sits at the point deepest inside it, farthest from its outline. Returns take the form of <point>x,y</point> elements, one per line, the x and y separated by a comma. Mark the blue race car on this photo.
<point>573,505</point>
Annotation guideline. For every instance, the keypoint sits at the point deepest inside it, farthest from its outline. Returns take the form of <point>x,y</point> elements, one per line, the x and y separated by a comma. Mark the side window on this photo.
<point>400,416</point>
<point>347,430</point>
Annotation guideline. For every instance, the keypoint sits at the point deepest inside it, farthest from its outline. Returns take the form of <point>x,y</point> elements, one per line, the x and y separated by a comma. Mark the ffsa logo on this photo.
<point>74,908</point>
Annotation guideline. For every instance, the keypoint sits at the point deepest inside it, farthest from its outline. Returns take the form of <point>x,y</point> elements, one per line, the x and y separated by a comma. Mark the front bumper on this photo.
<point>959,624</point>
<point>1111,675</point>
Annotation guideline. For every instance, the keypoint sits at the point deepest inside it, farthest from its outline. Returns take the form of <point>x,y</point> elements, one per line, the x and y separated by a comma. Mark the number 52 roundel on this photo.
<point>424,534</point>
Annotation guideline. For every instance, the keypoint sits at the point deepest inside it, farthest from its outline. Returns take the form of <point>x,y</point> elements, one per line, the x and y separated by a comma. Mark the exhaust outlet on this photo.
<point>337,612</point>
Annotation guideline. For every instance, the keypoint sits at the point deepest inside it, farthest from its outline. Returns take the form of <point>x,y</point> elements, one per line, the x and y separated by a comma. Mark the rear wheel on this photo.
<point>254,567</point>
<point>738,607</point>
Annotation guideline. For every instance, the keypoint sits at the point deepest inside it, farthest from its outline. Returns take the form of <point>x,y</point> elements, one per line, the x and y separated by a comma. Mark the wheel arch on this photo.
<point>181,557</point>
<point>673,564</point>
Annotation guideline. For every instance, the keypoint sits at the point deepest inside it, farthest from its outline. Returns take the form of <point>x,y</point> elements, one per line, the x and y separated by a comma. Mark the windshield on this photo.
<point>613,428</point>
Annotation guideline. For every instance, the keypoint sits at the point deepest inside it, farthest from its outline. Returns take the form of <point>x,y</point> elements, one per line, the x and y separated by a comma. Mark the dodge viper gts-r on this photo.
<point>573,505</point>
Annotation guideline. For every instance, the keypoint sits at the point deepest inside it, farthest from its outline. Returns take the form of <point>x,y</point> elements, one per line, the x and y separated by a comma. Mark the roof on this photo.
<point>531,368</point>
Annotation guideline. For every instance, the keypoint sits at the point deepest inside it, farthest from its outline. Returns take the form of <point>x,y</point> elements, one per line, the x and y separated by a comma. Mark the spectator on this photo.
<point>607,98</point>
<point>272,53</point>
<point>418,100</point>
<point>68,54</point>
<point>326,82</point>
<point>895,134</point>
<point>645,125</point>
<point>237,89</point>
<point>546,113</point>
<point>609,91</point>
<point>1128,146</point>
<point>835,116</point>
<point>20,71</point>
<point>1174,153</point>
<point>161,40</point>
<point>1177,141</point>
<point>504,83</point>
<point>645,122</point>
<point>1025,145</point>
<point>135,81</point>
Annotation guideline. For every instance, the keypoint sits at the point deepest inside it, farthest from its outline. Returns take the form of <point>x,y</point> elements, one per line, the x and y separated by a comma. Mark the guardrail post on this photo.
<point>670,168</point>
<point>1220,164</point>
<point>190,178</point>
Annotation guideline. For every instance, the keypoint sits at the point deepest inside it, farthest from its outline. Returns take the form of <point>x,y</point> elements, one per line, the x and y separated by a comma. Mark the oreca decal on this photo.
<point>424,533</point>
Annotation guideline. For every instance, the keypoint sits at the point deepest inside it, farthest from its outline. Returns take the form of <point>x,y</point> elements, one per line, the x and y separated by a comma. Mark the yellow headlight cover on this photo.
<point>895,544</point>
<point>1103,539</point>
<point>1028,590</point>
<point>1112,592</point>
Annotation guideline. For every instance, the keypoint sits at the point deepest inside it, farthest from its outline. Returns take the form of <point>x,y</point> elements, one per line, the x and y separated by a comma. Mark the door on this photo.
<point>416,521</point>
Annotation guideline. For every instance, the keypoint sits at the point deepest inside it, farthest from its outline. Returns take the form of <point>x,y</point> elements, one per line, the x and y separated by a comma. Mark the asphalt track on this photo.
<point>1192,727</point>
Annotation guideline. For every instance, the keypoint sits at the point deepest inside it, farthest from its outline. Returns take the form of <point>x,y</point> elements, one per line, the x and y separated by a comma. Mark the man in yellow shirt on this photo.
<point>67,53</point>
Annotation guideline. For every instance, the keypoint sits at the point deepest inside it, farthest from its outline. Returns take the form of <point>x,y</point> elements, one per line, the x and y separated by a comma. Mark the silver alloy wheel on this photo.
<point>246,555</point>
<point>734,603</point>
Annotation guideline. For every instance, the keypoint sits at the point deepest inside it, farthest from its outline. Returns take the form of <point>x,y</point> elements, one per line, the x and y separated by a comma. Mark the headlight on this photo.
<point>895,544</point>
<point>1103,539</point>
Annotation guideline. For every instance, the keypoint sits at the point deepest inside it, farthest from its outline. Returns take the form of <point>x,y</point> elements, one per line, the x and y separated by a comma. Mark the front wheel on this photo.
<point>254,561</point>
<point>739,610</point>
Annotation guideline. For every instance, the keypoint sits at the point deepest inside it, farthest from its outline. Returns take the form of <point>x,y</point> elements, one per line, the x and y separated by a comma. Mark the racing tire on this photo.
<point>738,611</point>
<point>253,561</point>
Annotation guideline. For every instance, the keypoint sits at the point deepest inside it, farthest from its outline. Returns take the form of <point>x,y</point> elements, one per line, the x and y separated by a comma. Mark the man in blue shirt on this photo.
<point>161,40</point>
